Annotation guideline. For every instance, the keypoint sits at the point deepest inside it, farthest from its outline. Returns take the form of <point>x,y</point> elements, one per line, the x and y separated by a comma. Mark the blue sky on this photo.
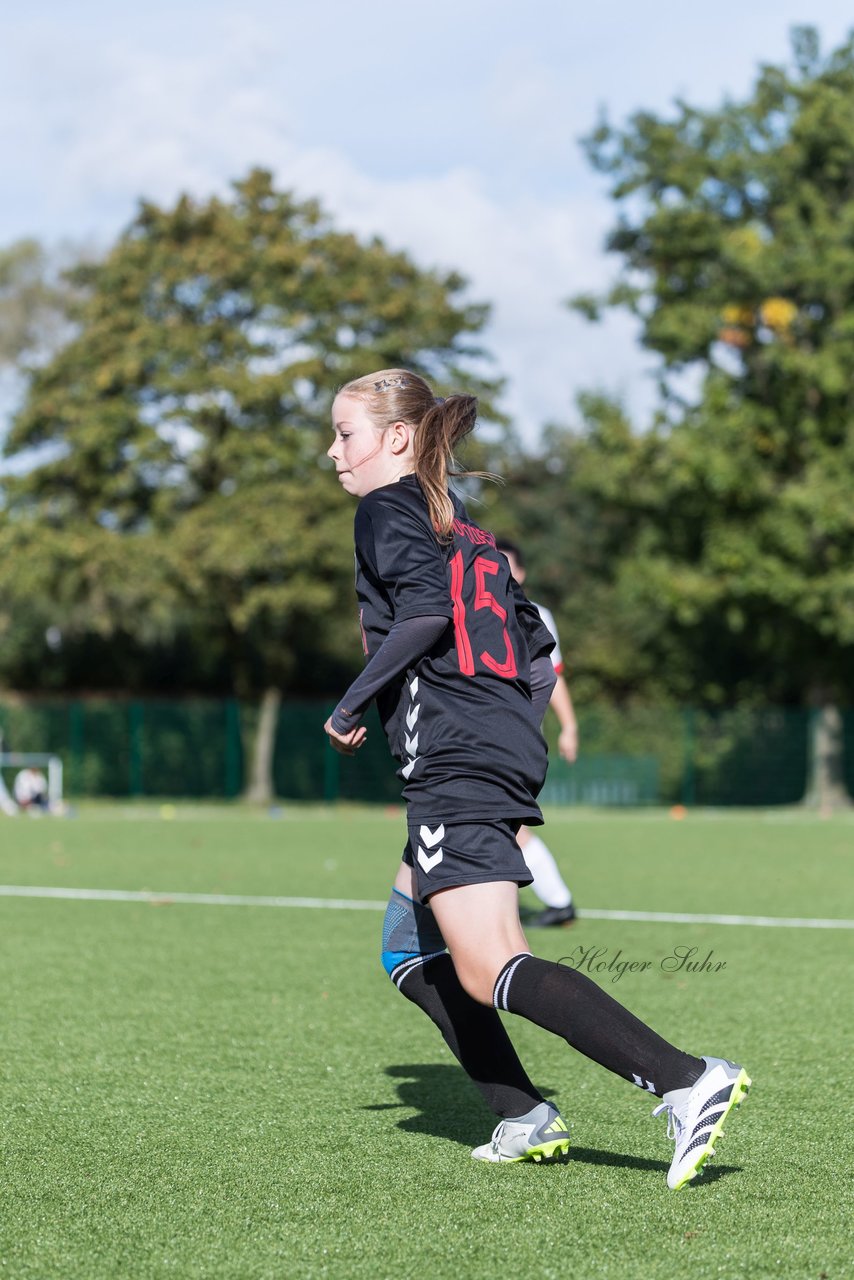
<point>451,129</point>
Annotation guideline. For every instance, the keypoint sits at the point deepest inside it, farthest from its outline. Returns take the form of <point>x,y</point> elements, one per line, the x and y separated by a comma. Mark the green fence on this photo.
<point>140,748</point>
<point>196,748</point>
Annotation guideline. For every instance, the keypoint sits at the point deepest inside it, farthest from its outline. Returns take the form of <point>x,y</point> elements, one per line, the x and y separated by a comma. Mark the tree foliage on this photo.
<point>736,234</point>
<point>183,423</point>
<point>177,506</point>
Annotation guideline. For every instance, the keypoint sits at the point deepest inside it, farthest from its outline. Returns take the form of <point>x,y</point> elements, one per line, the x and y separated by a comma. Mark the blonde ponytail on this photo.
<point>396,395</point>
<point>439,432</point>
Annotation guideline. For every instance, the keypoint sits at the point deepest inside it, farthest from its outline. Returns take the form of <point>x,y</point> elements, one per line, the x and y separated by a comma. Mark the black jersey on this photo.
<point>460,721</point>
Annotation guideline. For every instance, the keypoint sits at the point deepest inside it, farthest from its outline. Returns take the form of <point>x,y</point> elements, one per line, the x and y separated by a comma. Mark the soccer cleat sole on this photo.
<point>740,1090</point>
<point>546,1153</point>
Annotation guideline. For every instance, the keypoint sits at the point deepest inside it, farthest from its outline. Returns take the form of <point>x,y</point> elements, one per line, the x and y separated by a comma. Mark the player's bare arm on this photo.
<point>561,703</point>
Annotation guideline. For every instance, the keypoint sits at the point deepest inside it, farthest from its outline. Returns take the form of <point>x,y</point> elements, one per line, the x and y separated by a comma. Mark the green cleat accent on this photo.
<point>547,1153</point>
<point>541,1137</point>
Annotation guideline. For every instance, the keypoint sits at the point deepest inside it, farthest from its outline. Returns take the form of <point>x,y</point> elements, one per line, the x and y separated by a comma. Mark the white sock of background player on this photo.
<point>549,884</point>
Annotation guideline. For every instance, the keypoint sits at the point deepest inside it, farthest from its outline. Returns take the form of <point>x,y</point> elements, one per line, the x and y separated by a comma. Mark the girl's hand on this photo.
<point>347,743</point>
<point>567,743</point>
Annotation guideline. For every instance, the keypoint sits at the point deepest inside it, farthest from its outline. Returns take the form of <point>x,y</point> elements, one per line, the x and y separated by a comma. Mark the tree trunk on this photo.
<point>260,788</point>
<point>826,789</point>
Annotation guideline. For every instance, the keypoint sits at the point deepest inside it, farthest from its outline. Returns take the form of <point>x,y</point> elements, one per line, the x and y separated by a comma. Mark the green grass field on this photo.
<point>238,1091</point>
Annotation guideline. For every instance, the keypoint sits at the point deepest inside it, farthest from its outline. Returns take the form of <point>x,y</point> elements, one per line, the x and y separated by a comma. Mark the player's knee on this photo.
<point>477,980</point>
<point>410,932</point>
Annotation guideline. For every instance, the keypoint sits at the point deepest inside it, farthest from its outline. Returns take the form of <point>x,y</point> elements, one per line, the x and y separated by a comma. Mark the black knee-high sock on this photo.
<point>574,1007</point>
<point>473,1032</point>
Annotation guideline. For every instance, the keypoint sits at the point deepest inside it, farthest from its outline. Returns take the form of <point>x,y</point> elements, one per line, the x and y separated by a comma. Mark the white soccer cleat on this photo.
<point>695,1116</point>
<point>540,1136</point>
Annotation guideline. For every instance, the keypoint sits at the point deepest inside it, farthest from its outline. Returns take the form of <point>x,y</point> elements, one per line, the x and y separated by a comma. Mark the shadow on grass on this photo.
<point>447,1105</point>
<point>617,1160</point>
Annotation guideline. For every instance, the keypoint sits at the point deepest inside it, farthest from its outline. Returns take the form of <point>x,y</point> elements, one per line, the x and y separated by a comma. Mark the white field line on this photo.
<point>194,899</point>
<point>347,904</point>
<point>670,917</point>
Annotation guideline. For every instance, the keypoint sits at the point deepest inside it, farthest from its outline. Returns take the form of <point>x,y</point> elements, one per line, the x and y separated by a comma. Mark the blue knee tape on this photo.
<point>409,930</point>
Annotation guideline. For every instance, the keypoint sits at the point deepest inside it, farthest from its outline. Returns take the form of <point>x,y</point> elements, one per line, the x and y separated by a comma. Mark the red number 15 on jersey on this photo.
<point>483,599</point>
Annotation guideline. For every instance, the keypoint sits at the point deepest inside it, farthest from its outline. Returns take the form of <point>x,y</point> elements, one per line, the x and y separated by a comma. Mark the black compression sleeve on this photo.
<point>405,643</point>
<point>543,681</point>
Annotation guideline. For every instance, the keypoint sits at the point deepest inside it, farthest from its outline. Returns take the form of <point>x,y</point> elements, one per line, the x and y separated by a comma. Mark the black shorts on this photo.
<point>444,855</point>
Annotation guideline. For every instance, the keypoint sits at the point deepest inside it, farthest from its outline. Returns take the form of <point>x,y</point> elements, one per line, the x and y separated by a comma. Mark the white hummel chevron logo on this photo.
<point>411,744</point>
<point>649,1086</point>
<point>432,837</point>
<point>429,861</point>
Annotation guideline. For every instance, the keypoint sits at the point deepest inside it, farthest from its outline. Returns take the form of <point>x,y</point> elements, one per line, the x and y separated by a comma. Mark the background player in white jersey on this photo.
<point>548,884</point>
<point>30,789</point>
<point>458,661</point>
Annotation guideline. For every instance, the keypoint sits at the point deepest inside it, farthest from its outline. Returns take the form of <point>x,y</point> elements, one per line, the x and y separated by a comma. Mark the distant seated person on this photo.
<point>31,790</point>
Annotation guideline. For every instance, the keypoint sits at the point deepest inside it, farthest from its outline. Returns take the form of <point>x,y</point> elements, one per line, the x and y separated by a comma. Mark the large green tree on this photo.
<point>189,414</point>
<point>37,302</point>
<point>736,232</point>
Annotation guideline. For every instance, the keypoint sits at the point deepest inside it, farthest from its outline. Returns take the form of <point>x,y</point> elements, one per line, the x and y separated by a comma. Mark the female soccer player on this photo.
<point>458,661</point>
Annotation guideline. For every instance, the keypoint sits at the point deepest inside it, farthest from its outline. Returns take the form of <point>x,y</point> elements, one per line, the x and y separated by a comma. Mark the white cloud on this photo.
<point>453,136</point>
<point>526,256</point>
<point>138,121</point>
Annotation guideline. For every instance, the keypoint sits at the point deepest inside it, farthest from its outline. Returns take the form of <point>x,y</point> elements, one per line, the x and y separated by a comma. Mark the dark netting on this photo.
<point>112,747</point>
<point>100,759</point>
<point>306,768</point>
<point>625,752</point>
<point>34,726</point>
<point>301,769</point>
<point>750,757</point>
<point>629,756</point>
<point>189,749</point>
<point>372,773</point>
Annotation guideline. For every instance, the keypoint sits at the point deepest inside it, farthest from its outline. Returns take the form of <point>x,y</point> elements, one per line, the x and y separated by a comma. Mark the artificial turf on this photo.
<point>211,1091</point>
